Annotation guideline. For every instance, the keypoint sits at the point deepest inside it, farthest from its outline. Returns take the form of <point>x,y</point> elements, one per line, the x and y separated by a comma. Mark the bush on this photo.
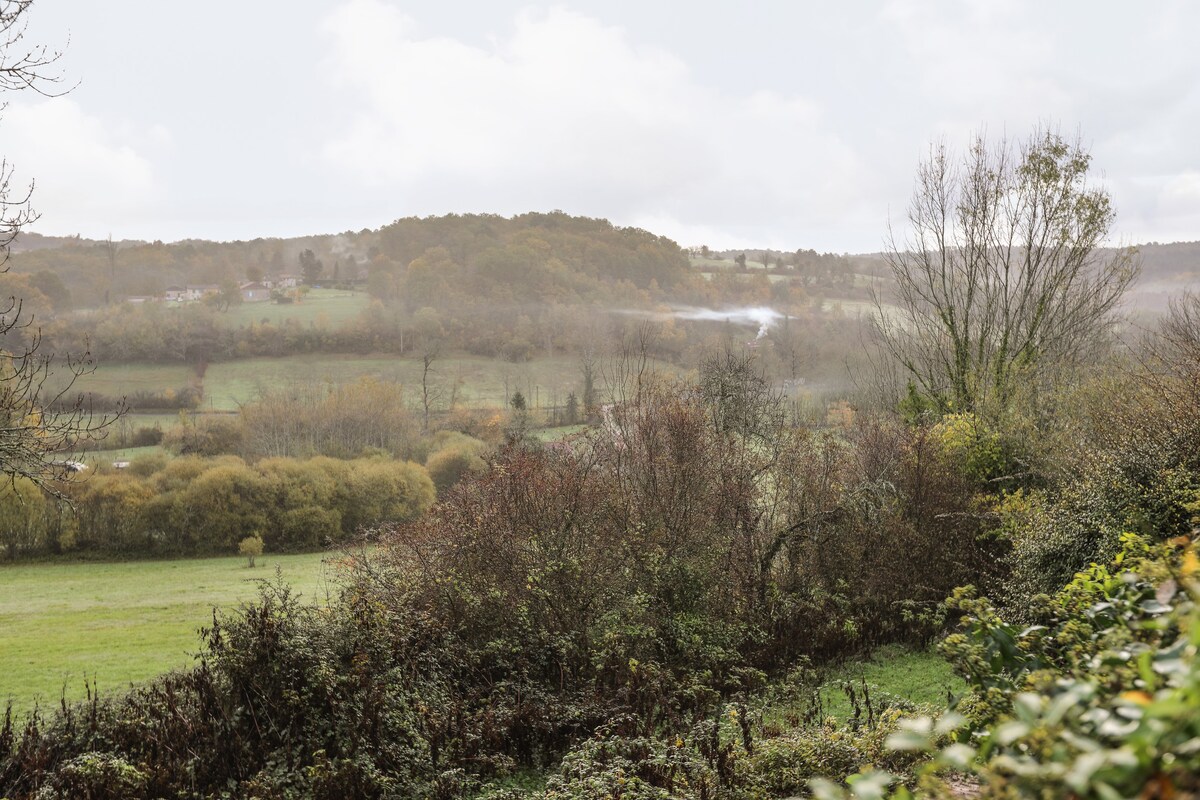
<point>206,437</point>
<point>146,465</point>
<point>1100,701</point>
<point>452,464</point>
<point>146,437</point>
<point>251,547</point>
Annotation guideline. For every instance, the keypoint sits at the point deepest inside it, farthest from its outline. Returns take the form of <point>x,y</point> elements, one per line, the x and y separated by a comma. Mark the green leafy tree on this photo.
<point>228,296</point>
<point>24,517</point>
<point>226,504</point>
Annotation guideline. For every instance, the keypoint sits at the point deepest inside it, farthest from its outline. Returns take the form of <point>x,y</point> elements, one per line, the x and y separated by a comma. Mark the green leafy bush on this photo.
<point>1101,702</point>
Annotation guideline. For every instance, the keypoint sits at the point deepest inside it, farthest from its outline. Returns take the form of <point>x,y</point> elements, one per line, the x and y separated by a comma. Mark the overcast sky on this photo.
<point>782,124</point>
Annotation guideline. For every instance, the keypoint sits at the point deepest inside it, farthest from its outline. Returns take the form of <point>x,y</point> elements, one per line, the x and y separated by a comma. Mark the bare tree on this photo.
<point>430,394</point>
<point>39,422</point>
<point>22,67</point>
<point>1001,270</point>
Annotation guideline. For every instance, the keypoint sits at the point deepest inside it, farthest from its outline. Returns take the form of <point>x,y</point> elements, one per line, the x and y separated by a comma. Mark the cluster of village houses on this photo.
<point>252,291</point>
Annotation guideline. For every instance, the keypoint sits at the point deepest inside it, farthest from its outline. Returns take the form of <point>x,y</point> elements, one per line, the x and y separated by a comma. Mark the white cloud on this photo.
<point>566,112</point>
<point>88,175</point>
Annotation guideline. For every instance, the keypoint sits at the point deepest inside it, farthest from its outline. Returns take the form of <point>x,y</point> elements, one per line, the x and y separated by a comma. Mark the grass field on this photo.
<point>102,458</point>
<point>699,262</point>
<point>121,380</point>
<point>320,307</point>
<point>482,380</point>
<point>121,623</point>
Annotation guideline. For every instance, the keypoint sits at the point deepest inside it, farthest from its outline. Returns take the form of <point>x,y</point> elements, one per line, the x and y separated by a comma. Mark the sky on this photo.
<point>764,124</point>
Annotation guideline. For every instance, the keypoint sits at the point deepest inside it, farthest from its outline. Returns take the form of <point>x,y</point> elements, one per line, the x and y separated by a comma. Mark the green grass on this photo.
<point>145,419</point>
<point>722,263</point>
<point>331,307</point>
<point>555,434</point>
<point>772,277</point>
<point>105,457</point>
<point>917,676</point>
<point>121,623</point>
<point>121,380</point>
<point>482,380</point>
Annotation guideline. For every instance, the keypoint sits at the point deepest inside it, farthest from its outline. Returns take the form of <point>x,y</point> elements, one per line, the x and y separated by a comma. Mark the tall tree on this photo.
<point>1000,273</point>
<point>311,267</point>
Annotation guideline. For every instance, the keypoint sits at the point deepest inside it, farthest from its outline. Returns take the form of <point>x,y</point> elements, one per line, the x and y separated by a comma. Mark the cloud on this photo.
<point>87,173</point>
<point>567,112</point>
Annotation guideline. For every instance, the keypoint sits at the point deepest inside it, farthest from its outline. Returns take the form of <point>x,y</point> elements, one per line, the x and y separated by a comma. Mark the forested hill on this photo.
<point>1167,270</point>
<point>531,257</point>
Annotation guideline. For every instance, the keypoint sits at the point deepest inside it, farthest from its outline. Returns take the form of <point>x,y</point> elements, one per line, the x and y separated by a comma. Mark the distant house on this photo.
<point>174,294</point>
<point>200,291</point>
<point>287,280</point>
<point>255,292</point>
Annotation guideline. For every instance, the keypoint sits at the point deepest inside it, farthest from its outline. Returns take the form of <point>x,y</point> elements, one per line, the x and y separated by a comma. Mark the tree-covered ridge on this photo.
<point>531,257</point>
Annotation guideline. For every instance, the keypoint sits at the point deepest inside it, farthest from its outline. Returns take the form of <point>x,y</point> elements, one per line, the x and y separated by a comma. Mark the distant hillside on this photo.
<point>530,257</point>
<point>1167,270</point>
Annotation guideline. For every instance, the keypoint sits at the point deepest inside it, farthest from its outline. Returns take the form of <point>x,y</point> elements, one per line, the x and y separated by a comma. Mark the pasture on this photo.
<point>320,307</point>
<point>122,623</point>
<point>123,380</point>
<point>480,382</point>
<point>227,385</point>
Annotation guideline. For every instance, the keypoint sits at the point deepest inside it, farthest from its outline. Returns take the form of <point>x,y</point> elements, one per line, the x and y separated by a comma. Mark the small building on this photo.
<point>174,294</point>
<point>255,292</point>
<point>200,291</point>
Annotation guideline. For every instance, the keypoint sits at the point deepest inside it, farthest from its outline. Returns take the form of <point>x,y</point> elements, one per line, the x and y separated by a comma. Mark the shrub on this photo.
<point>1101,701</point>
<point>206,437</point>
<point>251,547</point>
<point>450,465</point>
<point>146,437</point>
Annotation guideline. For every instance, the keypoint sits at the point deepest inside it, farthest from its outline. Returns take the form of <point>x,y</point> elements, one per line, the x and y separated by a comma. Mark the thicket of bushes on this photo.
<point>205,506</point>
<point>635,583</point>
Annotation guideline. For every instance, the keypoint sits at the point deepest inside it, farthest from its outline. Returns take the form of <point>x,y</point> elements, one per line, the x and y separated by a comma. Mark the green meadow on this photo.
<point>321,307</point>
<point>117,624</point>
<point>480,382</point>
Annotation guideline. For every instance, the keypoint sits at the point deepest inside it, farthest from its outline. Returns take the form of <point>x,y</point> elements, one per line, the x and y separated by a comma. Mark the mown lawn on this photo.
<point>123,623</point>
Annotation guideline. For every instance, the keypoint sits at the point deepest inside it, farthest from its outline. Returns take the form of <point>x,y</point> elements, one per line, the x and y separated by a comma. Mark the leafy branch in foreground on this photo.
<point>1099,702</point>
